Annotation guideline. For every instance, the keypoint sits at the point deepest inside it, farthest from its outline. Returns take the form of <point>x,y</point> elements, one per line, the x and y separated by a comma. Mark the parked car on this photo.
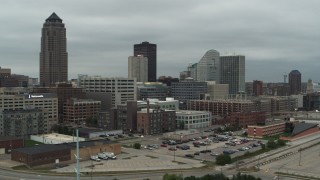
<point>214,154</point>
<point>190,155</point>
<point>196,153</point>
<point>164,145</point>
<point>172,149</point>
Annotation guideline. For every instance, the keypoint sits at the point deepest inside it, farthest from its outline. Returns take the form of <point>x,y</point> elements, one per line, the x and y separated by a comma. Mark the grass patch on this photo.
<point>153,157</point>
<point>30,143</point>
<point>209,164</point>
<point>21,167</point>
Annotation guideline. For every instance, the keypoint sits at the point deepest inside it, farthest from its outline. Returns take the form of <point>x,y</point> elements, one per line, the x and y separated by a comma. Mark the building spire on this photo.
<point>54,18</point>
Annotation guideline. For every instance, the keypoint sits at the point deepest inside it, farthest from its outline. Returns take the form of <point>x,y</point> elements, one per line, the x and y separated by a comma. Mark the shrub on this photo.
<point>223,159</point>
<point>136,145</point>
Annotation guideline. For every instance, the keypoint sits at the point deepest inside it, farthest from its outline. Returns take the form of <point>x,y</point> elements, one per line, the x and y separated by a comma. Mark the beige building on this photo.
<point>121,89</point>
<point>217,91</point>
<point>47,102</point>
<point>138,68</point>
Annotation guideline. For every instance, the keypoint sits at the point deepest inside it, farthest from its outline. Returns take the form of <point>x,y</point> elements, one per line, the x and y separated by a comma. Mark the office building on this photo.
<point>232,72</point>
<point>23,123</point>
<point>121,89</point>
<point>216,91</point>
<point>78,111</point>
<point>149,51</point>
<point>155,90</point>
<point>156,121</point>
<point>295,82</point>
<point>188,89</point>
<point>53,55</point>
<point>257,87</point>
<point>208,67</point>
<point>64,91</point>
<point>47,102</point>
<point>138,68</point>
<point>193,119</point>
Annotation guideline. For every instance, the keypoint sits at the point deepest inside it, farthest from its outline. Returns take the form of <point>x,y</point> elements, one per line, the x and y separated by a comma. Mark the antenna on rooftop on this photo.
<point>285,77</point>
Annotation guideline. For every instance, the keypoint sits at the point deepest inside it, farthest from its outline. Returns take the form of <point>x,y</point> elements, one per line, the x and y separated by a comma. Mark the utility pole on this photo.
<point>300,157</point>
<point>77,156</point>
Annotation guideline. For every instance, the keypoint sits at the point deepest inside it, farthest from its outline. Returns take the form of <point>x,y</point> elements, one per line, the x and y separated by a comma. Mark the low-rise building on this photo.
<point>156,121</point>
<point>62,154</point>
<point>243,120</point>
<point>272,129</point>
<point>22,123</point>
<point>79,110</point>
<point>7,144</point>
<point>55,138</point>
<point>193,119</point>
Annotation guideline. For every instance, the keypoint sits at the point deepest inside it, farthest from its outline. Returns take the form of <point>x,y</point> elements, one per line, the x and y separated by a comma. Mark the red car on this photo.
<point>172,149</point>
<point>164,145</point>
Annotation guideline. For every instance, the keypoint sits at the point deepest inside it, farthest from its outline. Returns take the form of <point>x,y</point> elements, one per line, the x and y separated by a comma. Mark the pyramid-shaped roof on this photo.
<point>54,18</point>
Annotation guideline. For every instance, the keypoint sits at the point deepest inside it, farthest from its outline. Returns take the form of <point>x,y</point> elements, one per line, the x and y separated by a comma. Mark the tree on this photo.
<point>172,177</point>
<point>281,142</point>
<point>223,159</point>
<point>271,144</point>
<point>136,145</point>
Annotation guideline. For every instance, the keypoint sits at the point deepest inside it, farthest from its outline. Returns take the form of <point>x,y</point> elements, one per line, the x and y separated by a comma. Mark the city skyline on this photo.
<point>274,38</point>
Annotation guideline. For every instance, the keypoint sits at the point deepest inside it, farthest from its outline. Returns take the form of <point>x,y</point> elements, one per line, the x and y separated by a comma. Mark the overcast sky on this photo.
<point>276,36</point>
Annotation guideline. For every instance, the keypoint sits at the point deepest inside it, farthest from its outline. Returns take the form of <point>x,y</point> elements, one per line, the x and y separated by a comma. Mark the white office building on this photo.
<point>193,119</point>
<point>138,68</point>
<point>121,89</point>
<point>208,68</point>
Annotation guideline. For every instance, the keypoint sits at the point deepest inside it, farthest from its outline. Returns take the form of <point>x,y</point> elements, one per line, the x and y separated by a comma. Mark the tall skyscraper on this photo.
<point>53,55</point>
<point>295,82</point>
<point>208,67</point>
<point>138,68</point>
<point>150,51</point>
<point>232,72</point>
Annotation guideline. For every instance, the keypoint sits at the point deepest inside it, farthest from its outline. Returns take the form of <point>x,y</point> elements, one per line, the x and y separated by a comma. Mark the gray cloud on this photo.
<point>275,36</point>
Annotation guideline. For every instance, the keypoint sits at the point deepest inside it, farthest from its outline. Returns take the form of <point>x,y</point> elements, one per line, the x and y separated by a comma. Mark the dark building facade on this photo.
<point>232,72</point>
<point>295,82</point>
<point>150,51</point>
<point>10,143</point>
<point>53,55</point>
<point>257,88</point>
<point>311,101</point>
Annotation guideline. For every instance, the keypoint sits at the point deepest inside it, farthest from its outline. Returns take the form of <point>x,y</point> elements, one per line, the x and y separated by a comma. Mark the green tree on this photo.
<point>172,177</point>
<point>281,142</point>
<point>223,159</point>
<point>136,145</point>
<point>271,144</point>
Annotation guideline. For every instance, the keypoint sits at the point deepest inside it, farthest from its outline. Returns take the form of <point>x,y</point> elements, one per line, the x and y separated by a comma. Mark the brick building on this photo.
<point>7,144</point>
<point>156,121</point>
<point>221,107</point>
<point>79,110</point>
<point>64,92</point>
<point>243,120</point>
<point>47,154</point>
<point>267,130</point>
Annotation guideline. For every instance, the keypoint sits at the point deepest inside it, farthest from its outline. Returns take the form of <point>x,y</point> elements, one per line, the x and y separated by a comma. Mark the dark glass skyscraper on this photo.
<point>53,55</point>
<point>295,82</point>
<point>232,72</point>
<point>150,51</point>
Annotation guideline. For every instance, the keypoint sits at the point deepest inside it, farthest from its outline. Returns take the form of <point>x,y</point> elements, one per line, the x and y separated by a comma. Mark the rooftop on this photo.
<point>54,18</point>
